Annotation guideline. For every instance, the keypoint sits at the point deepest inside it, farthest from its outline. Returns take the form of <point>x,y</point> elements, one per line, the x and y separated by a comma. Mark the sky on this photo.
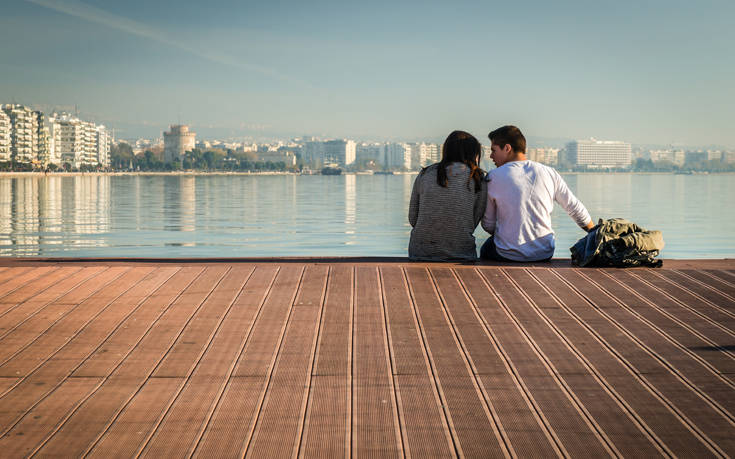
<point>646,72</point>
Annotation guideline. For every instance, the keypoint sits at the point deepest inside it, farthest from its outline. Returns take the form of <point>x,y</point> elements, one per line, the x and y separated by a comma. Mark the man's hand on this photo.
<point>588,227</point>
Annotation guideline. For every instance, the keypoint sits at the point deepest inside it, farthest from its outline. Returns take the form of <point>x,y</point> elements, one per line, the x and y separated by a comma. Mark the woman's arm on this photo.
<point>413,206</point>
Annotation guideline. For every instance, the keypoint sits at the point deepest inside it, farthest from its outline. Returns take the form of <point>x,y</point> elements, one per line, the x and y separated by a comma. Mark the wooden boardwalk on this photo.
<point>330,358</point>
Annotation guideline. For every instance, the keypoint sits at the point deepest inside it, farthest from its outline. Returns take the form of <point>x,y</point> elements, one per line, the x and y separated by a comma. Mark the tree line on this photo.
<point>122,158</point>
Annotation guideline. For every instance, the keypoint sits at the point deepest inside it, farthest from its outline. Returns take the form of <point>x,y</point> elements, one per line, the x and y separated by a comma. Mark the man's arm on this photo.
<point>588,227</point>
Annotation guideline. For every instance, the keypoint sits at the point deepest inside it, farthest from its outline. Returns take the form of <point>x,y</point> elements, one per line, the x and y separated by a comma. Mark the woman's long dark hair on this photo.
<point>461,147</point>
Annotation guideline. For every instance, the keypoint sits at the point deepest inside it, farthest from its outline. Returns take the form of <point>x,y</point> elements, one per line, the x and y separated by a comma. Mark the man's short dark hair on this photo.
<point>509,135</point>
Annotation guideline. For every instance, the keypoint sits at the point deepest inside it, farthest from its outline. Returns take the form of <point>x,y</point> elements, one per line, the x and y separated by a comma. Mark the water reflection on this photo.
<point>172,216</point>
<point>37,213</point>
<point>179,207</point>
<point>350,203</point>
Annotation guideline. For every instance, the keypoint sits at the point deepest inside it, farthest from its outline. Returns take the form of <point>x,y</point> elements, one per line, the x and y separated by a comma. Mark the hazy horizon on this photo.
<point>651,73</point>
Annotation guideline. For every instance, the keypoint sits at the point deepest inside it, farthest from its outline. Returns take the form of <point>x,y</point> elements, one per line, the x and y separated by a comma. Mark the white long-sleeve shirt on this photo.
<point>521,197</point>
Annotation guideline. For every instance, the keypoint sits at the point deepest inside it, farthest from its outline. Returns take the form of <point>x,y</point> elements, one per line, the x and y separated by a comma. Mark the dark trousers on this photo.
<point>488,251</point>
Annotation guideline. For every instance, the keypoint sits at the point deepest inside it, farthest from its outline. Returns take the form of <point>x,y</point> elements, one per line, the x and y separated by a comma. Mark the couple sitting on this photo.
<point>514,202</point>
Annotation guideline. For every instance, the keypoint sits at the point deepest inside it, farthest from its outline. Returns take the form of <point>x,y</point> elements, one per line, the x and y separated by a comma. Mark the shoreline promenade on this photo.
<point>342,357</point>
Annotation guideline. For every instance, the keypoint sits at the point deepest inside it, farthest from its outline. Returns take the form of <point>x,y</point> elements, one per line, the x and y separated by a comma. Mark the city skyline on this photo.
<point>647,75</point>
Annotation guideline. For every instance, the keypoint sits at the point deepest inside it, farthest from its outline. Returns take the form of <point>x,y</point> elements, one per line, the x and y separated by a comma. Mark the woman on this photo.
<point>447,202</point>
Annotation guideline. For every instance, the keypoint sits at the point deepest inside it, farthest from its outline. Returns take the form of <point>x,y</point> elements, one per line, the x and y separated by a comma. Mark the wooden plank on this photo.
<point>684,296</point>
<point>15,278</point>
<point>15,315</point>
<point>281,418</point>
<point>687,366</point>
<point>124,339</point>
<point>710,294</point>
<point>617,420</point>
<point>235,414</point>
<point>24,335</point>
<point>527,433</point>
<point>32,289</point>
<point>327,425</point>
<point>709,422</point>
<point>200,330</point>
<point>53,372</point>
<point>6,274</point>
<point>7,383</point>
<point>93,417</point>
<point>664,421</point>
<point>71,324</point>
<point>131,428</point>
<point>424,422</point>
<point>156,343</point>
<point>573,433</point>
<point>28,434</point>
<point>693,333</point>
<point>375,424</point>
<point>469,415</point>
<point>327,431</point>
<point>722,275</point>
<point>721,285</point>
<point>214,368</point>
<point>185,418</point>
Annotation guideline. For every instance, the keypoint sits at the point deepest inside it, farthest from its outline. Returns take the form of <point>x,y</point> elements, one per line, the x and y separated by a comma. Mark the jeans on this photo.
<point>488,251</point>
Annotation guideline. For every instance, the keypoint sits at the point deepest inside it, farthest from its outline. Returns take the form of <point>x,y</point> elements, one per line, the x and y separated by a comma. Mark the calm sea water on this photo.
<point>350,215</point>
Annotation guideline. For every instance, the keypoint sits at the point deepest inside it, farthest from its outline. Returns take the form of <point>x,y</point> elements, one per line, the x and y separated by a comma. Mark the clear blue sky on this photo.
<point>645,72</point>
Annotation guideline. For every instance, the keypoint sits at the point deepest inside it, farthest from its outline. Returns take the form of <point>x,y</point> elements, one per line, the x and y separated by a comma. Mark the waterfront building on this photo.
<point>599,154</point>
<point>714,155</point>
<point>286,157</point>
<point>27,134</point>
<point>76,143</point>
<point>340,152</point>
<point>695,156</point>
<point>543,155</point>
<point>177,142</point>
<point>397,156</point>
<point>4,137</point>
<point>676,157</point>
<point>423,154</point>
<point>313,153</point>
<point>104,139</point>
<point>370,152</point>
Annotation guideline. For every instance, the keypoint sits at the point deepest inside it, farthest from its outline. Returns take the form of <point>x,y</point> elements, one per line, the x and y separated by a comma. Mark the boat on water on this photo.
<point>331,170</point>
<point>383,172</point>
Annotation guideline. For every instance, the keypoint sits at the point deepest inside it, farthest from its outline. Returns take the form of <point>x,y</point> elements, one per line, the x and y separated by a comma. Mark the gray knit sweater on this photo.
<point>444,219</point>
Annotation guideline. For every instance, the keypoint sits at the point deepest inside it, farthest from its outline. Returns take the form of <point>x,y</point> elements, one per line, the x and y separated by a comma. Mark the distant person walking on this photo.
<point>521,195</point>
<point>447,202</point>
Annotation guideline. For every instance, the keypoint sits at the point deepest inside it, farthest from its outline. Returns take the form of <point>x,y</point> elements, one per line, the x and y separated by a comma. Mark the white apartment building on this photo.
<point>341,152</point>
<point>370,152</point>
<point>675,156</point>
<point>397,156</point>
<point>543,155</point>
<point>76,142</point>
<point>599,154</point>
<point>423,154</point>
<point>27,134</point>
<point>4,137</point>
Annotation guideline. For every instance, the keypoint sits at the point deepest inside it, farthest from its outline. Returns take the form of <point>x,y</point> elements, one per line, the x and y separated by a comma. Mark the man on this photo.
<point>521,196</point>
